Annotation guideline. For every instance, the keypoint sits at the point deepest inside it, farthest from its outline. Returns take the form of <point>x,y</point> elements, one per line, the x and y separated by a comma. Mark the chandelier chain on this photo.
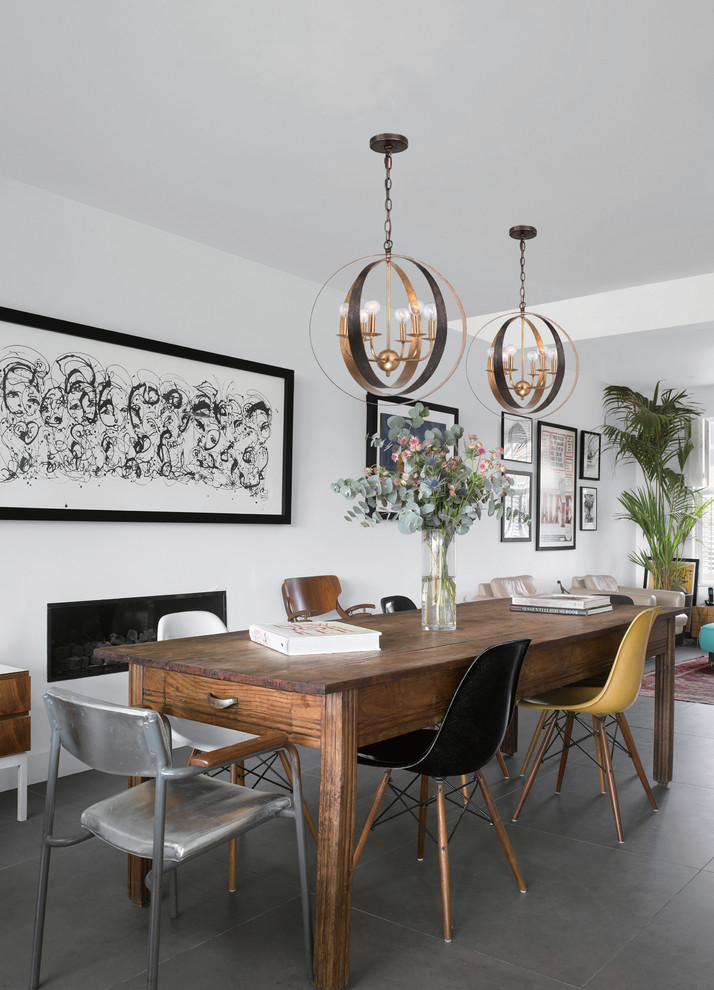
<point>388,201</point>
<point>523,276</point>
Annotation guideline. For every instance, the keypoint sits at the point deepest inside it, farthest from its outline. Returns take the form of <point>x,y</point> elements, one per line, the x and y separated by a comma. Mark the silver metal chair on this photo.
<point>172,818</point>
<point>201,737</point>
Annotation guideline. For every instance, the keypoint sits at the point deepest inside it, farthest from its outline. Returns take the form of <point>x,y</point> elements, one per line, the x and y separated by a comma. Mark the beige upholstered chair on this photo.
<point>507,587</point>
<point>640,596</point>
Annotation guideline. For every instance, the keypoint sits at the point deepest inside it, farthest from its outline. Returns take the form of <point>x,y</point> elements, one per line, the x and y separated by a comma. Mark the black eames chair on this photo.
<point>397,603</point>
<point>468,737</point>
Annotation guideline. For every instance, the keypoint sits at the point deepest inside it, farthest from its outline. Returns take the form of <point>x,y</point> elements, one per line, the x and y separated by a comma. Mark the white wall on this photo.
<point>62,259</point>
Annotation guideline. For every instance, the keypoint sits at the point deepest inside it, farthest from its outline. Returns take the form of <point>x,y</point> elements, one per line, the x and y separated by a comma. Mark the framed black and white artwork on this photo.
<point>589,456</point>
<point>588,508</point>
<point>101,425</point>
<point>517,437</point>
<point>516,518</point>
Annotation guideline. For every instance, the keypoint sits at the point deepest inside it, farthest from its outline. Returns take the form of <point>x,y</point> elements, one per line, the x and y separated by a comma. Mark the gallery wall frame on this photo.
<point>101,425</point>
<point>590,444</point>
<point>556,509</point>
<point>588,509</point>
<point>517,528</point>
<point>517,437</point>
<point>380,408</point>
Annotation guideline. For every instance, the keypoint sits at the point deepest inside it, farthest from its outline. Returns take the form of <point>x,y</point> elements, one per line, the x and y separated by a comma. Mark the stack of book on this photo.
<point>562,604</point>
<point>303,638</point>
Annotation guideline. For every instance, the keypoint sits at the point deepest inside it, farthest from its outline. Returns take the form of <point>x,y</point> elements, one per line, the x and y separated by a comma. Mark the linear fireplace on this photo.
<point>76,629</point>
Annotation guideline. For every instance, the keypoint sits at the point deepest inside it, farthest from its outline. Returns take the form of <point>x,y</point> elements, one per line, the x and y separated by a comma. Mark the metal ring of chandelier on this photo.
<point>546,374</point>
<point>419,343</point>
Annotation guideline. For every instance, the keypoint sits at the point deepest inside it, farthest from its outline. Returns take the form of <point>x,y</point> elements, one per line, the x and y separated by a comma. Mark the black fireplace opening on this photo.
<point>76,629</point>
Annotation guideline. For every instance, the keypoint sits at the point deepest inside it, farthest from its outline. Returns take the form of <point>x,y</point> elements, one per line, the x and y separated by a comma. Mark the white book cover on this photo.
<point>563,601</point>
<point>302,638</point>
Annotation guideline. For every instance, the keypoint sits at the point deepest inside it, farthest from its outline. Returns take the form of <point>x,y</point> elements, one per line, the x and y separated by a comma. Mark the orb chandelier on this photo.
<point>526,363</point>
<point>391,342</point>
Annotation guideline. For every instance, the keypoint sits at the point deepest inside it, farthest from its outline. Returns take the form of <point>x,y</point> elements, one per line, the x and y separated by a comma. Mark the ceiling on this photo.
<point>245,125</point>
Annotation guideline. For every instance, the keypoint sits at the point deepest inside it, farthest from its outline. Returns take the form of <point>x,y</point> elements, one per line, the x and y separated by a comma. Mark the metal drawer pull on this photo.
<point>219,703</point>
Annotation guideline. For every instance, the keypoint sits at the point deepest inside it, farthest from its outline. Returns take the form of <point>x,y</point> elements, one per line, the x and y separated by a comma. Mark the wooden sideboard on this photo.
<point>15,738</point>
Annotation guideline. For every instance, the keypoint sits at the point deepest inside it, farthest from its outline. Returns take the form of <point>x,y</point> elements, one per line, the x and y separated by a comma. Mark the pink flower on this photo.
<point>483,467</point>
<point>414,443</point>
<point>500,450</point>
<point>402,441</point>
<point>481,451</point>
<point>395,457</point>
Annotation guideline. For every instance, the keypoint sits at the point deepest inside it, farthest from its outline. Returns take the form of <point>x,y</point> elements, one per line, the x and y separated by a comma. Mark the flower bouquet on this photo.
<point>433,489</point>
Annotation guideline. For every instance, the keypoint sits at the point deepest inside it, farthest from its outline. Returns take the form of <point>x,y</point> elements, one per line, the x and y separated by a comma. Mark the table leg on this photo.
<point>664,711</point>
<point>509,746</point>
<point>335,841</point>
<point>137,868</point>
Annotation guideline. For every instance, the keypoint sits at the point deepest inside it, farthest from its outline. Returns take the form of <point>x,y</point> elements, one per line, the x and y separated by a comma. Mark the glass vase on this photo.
<point>438,583</point>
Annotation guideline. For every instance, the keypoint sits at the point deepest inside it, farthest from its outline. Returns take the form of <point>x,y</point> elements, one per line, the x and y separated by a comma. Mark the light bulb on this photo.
<point>429,311</point>
<point>510,350</point>
<point>401,315</point>
<point>417,307</point>
<point>344,309</point>
<point>552,353</point>
<point>363,316</point>
<point>372,306</point>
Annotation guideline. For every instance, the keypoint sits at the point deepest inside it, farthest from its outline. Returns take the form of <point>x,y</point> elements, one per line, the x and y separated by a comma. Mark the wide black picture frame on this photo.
<point>518,529</point>
<point>380,408</point>
<point>556,512</point>
<point>590,446</point>
<point>101,425</point>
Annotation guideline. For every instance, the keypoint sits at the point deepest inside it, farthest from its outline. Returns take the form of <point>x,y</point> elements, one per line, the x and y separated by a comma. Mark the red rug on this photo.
<point>693,681</point>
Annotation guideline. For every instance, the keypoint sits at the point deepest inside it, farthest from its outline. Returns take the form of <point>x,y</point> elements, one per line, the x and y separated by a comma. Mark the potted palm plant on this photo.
<point>656,434</point>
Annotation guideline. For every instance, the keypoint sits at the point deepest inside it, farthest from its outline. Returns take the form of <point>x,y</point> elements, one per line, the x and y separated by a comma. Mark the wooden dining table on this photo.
<point>340,701</point>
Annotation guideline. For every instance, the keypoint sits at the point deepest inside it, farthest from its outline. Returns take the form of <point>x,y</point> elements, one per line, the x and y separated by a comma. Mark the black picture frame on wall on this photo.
<point>518,528</point>
<point>588,509</point>
<point>556,512</point>
<point>590,444</point>
<point>380,408</point>
<point>101,425</point>
<point>517,437</point>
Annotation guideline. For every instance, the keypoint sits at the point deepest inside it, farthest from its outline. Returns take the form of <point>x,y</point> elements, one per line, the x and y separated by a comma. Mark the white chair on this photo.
<point>172,818</point>
<point>201,737</point>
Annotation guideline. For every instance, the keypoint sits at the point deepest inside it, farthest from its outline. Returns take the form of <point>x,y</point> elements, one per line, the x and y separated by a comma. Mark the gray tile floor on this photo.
<point>596,914</point>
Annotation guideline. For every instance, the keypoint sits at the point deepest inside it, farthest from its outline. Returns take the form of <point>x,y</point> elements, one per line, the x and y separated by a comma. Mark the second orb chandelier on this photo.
<point>526,372</point>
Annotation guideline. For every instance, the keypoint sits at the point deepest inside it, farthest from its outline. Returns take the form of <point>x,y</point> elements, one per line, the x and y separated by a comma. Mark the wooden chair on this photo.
<point>305,597</point>
<point>604,702</point>
<point>468,737</point>
<point>175,816</point>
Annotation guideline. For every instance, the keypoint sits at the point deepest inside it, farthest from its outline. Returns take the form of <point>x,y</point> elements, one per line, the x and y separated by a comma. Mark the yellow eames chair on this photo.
<point>604,701</point>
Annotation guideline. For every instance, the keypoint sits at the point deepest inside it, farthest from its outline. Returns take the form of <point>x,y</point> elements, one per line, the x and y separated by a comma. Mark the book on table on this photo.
<point>561,609</point>
<point>303,638</point>
<point>575,602</point>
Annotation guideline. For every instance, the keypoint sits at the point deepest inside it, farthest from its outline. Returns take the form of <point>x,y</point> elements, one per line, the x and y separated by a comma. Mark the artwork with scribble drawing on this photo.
<point>92,424</point>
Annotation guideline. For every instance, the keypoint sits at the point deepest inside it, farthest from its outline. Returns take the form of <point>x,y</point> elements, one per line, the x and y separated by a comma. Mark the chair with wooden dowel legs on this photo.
<point>614,600</point>
<point>604,705</point>
<point>467,738</point>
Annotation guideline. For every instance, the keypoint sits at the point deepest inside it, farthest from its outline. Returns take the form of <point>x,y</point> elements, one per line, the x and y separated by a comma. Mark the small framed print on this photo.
<point>588,508</point>
<point>589,456</point>
<point>517,437</point>
<point>516,518</point>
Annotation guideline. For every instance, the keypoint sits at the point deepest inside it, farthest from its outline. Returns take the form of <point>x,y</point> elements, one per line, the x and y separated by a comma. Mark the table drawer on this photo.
<point>14,735</point>
<point>252,709</point>
<point>15,693</point>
